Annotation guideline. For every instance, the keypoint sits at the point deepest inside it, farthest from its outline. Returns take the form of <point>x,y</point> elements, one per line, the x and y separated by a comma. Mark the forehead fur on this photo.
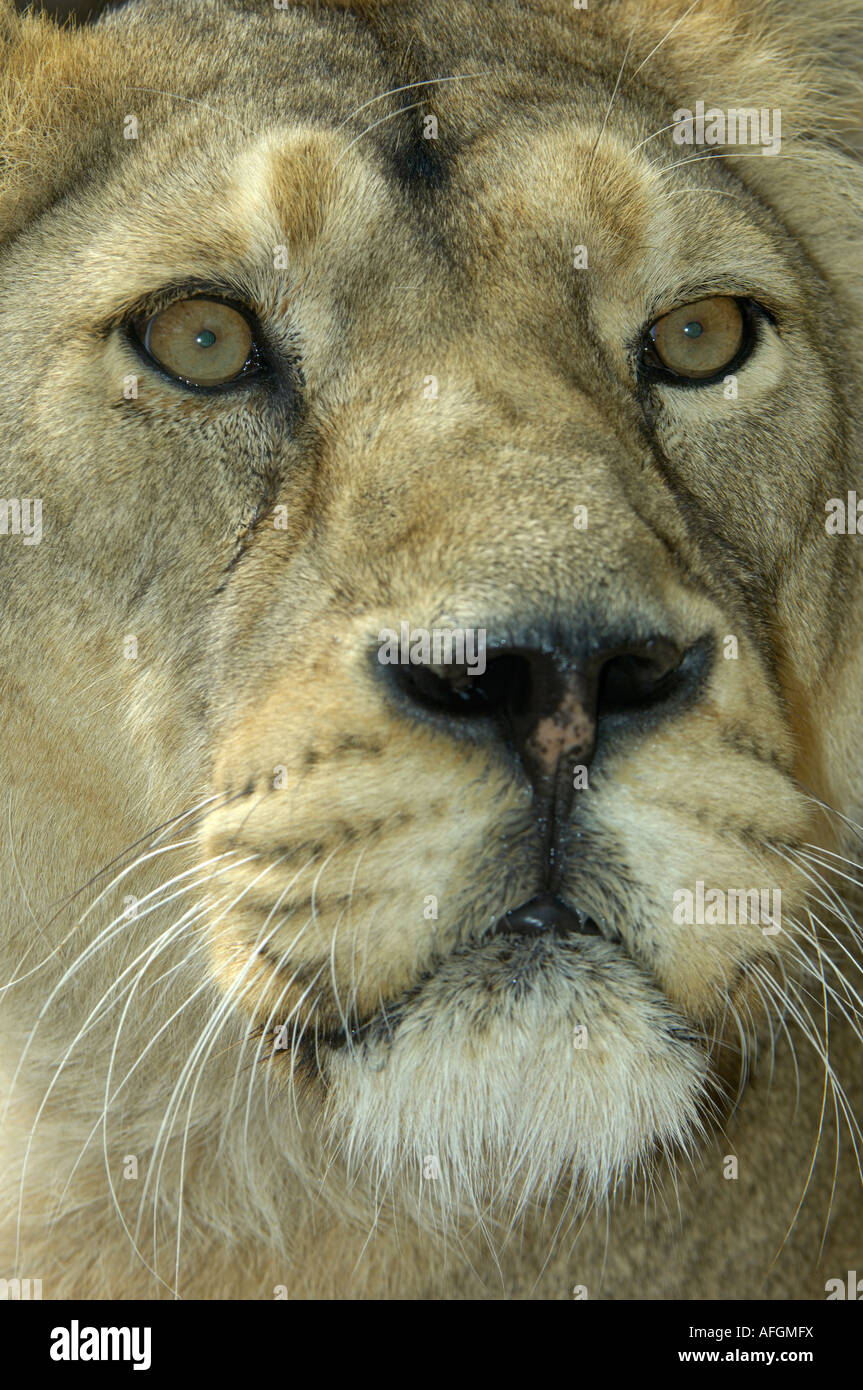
<point>64,92</point>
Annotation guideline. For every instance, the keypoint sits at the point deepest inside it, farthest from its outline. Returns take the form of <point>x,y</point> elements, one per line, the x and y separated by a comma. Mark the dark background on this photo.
<point>84,9</point>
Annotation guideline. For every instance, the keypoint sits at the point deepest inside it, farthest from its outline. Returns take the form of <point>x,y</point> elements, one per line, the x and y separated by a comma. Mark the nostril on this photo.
<point>641,677</point>
<point>545,695</point>
<point>504,686</point>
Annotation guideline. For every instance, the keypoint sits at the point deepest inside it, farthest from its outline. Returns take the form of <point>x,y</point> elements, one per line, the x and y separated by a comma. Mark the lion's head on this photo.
<point>434,669</point>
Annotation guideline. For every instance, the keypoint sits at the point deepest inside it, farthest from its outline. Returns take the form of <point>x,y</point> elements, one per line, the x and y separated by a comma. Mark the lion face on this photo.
<point>520,377</point>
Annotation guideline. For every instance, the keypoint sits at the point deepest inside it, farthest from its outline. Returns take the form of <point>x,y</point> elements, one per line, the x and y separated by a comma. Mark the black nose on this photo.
<point>546,913</point>
<point>549,697</point>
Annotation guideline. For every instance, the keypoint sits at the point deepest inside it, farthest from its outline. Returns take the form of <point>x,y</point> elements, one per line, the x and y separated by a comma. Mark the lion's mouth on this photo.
<point>546,913</point>
<point>525,941</point>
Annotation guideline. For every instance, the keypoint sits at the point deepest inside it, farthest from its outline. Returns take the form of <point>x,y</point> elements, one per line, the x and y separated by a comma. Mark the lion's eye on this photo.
<point>203,342</point>
<point>697,341</point>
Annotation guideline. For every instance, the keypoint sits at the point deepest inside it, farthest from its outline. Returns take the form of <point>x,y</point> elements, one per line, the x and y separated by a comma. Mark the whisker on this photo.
<point>657,46</point>
<point>409,87</point>
<point>388,117</point>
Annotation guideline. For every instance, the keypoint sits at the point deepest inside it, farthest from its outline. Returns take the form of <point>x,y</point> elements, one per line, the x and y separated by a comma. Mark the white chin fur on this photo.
<point>481,1099</point>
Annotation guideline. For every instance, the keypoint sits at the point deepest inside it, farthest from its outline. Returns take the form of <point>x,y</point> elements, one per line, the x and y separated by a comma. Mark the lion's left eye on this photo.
<point>201,342</point>
<point>697,341</point>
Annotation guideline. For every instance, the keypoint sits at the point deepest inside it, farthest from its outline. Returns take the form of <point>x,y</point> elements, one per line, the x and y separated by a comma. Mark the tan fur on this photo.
<point>149,1034</point>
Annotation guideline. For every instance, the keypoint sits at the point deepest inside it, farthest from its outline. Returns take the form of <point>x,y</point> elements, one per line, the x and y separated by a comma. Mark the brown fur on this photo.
<point>409,259</point>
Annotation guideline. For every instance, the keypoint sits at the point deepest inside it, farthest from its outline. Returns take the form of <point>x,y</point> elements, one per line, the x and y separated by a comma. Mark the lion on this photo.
<point>431,650</point>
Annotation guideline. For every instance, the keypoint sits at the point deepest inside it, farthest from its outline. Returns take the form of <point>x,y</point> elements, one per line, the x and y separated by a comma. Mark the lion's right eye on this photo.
<point>696,342</point>
<point>201,342</point>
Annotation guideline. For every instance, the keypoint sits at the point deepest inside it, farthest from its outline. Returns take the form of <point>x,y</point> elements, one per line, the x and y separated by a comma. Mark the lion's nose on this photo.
<point>548,701</point>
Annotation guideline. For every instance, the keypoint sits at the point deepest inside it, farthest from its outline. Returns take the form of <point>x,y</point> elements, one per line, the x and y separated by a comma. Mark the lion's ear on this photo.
<point>58,89</point>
